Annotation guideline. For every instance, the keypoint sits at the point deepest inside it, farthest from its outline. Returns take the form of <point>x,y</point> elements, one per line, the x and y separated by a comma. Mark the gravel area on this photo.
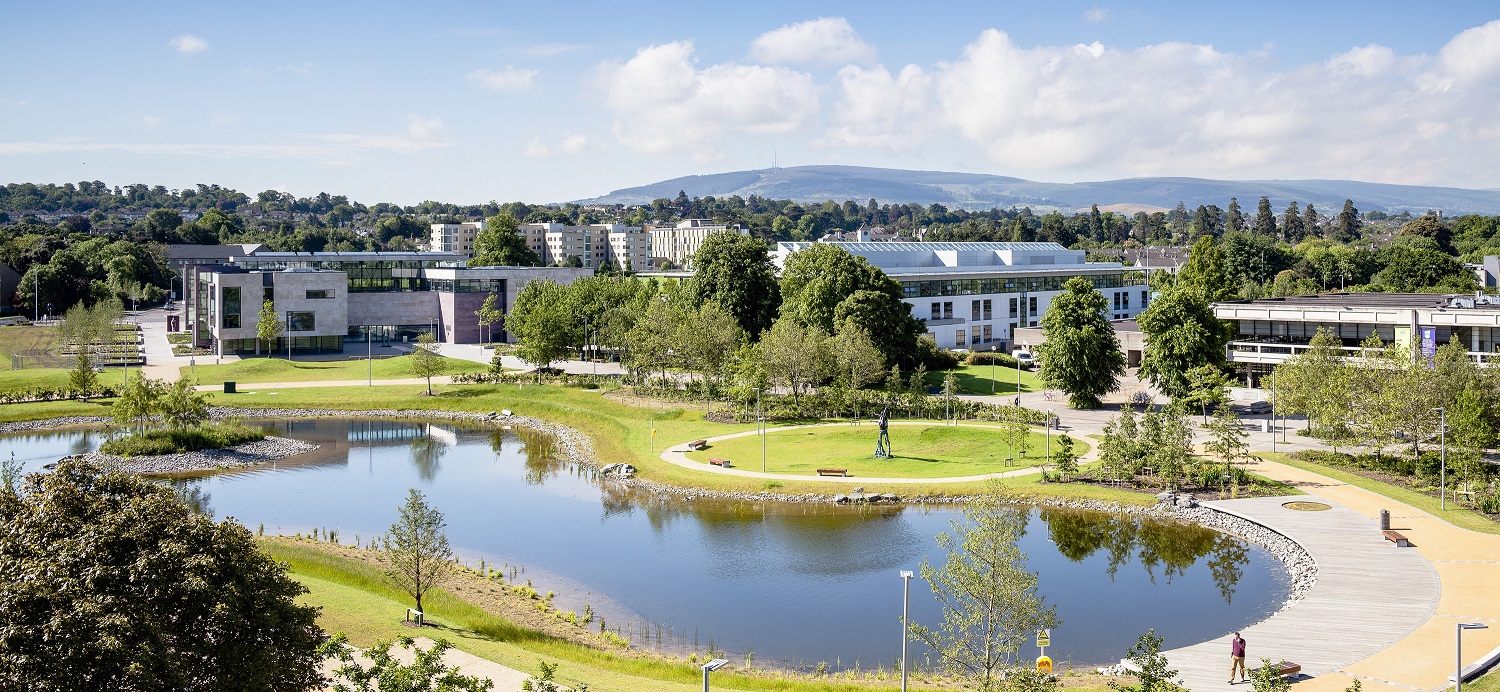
<point>248,454</point>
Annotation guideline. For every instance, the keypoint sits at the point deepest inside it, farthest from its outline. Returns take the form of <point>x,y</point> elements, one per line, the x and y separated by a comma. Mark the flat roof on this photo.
<point>1410,301</point>
<point>907,246</point>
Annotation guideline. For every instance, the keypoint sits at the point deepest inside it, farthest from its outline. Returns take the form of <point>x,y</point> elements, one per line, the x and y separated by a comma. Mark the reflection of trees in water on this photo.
<point>82,444</point>
<point>427,453</point>
<point>190,491</point>
<point>1169,546</point>
<point>542,460</point>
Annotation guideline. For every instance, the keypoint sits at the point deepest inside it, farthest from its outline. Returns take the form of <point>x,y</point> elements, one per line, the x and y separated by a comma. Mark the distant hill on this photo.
<point>980,191</point>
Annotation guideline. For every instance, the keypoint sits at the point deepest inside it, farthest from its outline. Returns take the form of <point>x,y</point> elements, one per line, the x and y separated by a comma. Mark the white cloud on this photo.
<point>535,149</point>
<point>574,144</point>
<point>188,44</point>
<point>152,120</point>
<point>508,79</point>
<point>1096,15</point>
<point>825,41</point>
<point>422,134</point>
<point>223,118</point>
<point>879,109</point>
<point>662,103</point>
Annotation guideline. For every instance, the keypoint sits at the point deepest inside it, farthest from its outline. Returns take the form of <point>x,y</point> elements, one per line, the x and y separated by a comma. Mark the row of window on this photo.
<point>1011,284</point>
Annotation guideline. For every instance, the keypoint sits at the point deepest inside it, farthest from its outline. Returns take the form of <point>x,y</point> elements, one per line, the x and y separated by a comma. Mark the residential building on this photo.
<point>976,295</point>
<point>677,244</point>
<point>1270,331</point>
<point>330,299</point>
<point>454,237</point>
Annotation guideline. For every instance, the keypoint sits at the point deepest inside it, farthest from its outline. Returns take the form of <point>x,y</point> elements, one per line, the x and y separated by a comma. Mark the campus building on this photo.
<point>593,245</point>
<point>678,243</point>
<point>325,300</point>
<point>454,237</point>
<point>976,295</point>
<point>1270,331</point>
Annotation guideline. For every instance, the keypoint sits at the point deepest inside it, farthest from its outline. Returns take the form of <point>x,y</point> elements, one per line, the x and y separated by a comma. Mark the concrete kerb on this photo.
<point>677,456</point>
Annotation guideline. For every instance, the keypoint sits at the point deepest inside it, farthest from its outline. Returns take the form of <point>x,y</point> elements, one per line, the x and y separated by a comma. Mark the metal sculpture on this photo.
<point>883,443</point>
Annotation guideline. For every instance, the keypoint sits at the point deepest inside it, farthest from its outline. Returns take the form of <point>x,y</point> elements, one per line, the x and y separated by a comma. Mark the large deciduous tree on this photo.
<point>823,286</point>
<point>1181,333</point>
<point>1207,272</point>
<point>1079,354</point>
<point>796,356</point>
<point>418,551</point>
<point>735,272</point>
<point>501,244</point>
<point>541,323</point>
<point>110,582</point>
<point>425,361</point>
<point>989,599</point>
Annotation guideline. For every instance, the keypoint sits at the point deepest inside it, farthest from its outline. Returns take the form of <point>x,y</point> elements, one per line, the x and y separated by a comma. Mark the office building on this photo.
<point>454,237</point>
<point>678,243</point>
<point>975,295</point>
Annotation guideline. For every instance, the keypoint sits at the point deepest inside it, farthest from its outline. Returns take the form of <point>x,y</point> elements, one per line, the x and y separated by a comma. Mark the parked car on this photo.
<point>1023,357</point>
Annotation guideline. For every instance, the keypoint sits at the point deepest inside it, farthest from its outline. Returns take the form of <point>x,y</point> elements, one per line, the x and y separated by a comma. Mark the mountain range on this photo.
<point>981,191</point>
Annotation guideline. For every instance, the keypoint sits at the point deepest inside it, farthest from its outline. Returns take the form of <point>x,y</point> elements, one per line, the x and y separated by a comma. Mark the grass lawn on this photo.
<point>1487,683</point>
<point>976,379</point>
<point>280,369</point>
<point>28,340</point>
<point>356,599</point>
<point>921,451</point>
<point>622,433</point>
<point>16,380</point>
<point>1462,518</point>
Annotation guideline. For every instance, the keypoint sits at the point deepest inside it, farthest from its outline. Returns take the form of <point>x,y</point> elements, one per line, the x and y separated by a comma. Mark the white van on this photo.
<point>1023,357</point>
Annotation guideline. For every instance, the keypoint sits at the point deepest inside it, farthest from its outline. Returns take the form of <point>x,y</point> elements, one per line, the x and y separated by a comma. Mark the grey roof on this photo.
<point>907,246</point>
<point>1353,300</point>
<point>187,251</point>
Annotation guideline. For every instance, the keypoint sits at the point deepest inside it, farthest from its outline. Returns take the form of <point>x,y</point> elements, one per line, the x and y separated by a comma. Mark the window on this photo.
<point>230,310</point>
<point>974,306</point>
<point>319,294</point>
<point>1124,301</point>
<point>1032,304</point>
<point>988,312</point>
<point>1117,301</point>
<point>958,339</point>
<point>300,322</point>
<point>1143,300</point>
<point>937,311</point>
<point>974,338</point>
<point>947,311</point>
<point>989,333</point>
<point>1012,307</point>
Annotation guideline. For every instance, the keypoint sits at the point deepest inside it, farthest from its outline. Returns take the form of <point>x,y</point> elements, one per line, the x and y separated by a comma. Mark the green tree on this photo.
<point>386,672</point>
<point>83,381</point>
<point>1264,678</point>
<point>425,361</point>
<point>1206,272</point>
<point>139,400</point>
<point>267,325</point>
<point>1310,222</point>
<point>989,599</point>
<point>488,314</point>
<point>824,285</point>
<point>856,357</point>
<point>1181,333</point>
<point>1265,219</point>
<point>1227,438</point>
<point>1151,665</point>
<point>1015,434</point>
<point>1065,457</point>
<point>1315,383</point>
<point>1236,220</point>
<point>735,272</point>
<point>182,406</point>
<point>417,549</point>
<point>540,324</point>
<point>113,583</point>
<point>1207,386</point>
<point>796,357</point>
<point>1347,226</point>
<point>1291,223</point>
<point>501,244</point>
<point>1079,354</point>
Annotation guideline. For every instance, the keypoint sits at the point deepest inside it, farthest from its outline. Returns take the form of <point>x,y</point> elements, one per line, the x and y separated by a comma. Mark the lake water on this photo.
<point>795,584</point>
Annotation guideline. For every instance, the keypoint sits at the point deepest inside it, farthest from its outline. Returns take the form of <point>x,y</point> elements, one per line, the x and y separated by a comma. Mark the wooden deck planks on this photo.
<point>1369,594</point>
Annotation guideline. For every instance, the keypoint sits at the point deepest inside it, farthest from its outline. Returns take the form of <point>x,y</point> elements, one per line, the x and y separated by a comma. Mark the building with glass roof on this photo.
<point>975,295</point>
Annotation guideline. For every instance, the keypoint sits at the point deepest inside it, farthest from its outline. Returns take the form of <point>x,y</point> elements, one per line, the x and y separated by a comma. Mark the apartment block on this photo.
<point>454,237</point>
<point>678,243</point>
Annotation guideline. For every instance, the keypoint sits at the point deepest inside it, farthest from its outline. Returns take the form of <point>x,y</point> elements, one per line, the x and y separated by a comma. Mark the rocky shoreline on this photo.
<point>576,447</point>
<point>249,454</point>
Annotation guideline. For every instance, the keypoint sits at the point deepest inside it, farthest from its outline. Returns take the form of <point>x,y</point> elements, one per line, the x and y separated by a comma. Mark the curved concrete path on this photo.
<point>677,455</point>
<point>1369,595</point>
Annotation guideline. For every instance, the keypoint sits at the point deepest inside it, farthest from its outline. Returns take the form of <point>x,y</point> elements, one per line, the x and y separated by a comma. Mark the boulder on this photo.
<point>841,499</point>
<point>1186,502</point>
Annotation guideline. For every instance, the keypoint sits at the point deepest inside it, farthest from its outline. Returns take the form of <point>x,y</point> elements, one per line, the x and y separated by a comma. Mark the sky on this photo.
<point>469,102</point>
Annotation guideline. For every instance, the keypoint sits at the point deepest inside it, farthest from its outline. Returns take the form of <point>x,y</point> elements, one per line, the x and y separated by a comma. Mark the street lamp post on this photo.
<point>710,667</point>
<point>760,427</point>
<point>1458,651</point>
<point>370,358</point>
<point>1049,435</point>
<point>1443,458</point>
<point>992,369</point>
<point>906,576</point>
<point>1273,410</point>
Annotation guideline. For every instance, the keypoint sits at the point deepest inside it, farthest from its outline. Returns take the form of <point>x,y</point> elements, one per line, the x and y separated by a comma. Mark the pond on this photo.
<point>796,584</point>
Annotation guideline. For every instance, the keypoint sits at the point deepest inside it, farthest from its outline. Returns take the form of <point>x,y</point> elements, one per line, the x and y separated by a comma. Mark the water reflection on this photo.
<point>1170,547</point>
<point>193,494</point>
<point>427,449</point>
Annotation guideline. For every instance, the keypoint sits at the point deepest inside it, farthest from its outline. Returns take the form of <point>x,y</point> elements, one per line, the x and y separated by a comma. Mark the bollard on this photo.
<point>1385,520</point>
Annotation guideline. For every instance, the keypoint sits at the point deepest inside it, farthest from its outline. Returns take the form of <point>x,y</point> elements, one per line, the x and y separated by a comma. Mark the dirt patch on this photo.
<point>1307,506</point>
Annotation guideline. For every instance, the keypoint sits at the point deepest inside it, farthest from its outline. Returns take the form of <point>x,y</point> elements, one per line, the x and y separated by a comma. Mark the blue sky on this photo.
<point>469,102</point>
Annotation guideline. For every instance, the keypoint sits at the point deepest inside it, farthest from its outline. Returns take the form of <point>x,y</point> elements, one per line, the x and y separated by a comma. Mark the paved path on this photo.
<point>506,679</point>
<point>677,454</point>
<point>248,387</point>
<point>1369,595</point>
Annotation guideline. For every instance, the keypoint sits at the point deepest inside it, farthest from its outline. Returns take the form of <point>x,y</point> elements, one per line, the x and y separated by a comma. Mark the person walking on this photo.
<point>1236,657</point>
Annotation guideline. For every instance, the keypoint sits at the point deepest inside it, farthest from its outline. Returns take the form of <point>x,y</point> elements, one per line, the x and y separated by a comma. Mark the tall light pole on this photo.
<point>1458,651</point>
<point>370,357</point>
<point>992,369</point>
<point>1049,436</point>
<point>288,336</point>
<point>1273,410</point>
<point>906,576</point>
<point>760,426</point>
<point>1443,458</point>
<point>710,667</point>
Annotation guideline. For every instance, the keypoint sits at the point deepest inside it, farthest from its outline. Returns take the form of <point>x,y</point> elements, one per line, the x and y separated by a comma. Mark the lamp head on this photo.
<point>715,664</point>
<point>1473,626</point>
<point>906,574</point>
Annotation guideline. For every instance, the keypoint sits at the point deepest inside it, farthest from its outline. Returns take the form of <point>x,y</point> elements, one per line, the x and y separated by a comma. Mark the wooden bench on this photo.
<point>1285,669</point>
<point>698,445</point>
<point>715,461</point>
<point>1397,538</point>
<point>833,472</point>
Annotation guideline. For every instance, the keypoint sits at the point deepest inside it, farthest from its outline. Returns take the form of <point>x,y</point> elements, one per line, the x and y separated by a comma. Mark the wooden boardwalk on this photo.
<point>1369,595</point>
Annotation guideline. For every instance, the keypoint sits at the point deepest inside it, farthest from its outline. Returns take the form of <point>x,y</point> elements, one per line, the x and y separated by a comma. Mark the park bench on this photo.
<point>715,461</point>
<point>1396,538</point>
<point>833,472</point>
<point>1285,669</point>
<point>698,445</point>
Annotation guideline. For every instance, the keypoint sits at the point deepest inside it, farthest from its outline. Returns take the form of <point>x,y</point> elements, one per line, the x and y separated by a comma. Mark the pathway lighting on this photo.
<point>906,576</point>
<point>710,667</point>
<point>1458,649</point>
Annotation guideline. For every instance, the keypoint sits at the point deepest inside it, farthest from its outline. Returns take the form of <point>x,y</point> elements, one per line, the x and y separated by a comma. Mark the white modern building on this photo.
<point>555,243</point>
<point>677,244</point>
<point>454,237</point>
<point>975,295</point>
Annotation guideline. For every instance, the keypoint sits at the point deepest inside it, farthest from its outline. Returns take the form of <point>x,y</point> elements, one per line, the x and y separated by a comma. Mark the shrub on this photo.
<point>1003,360</point>
<point>165,441</point>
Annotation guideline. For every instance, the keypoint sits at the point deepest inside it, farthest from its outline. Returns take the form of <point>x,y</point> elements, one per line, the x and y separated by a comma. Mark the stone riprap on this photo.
<point>248,454</point>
